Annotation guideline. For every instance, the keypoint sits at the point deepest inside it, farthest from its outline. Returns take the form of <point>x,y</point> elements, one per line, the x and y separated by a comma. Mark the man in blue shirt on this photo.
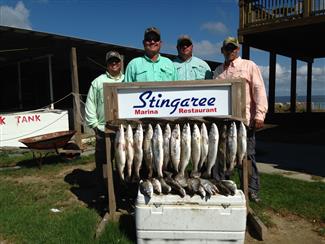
<point>189,67</point>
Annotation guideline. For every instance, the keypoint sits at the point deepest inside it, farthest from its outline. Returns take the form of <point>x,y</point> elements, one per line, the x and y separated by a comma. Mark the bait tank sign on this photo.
<point>174,102</point>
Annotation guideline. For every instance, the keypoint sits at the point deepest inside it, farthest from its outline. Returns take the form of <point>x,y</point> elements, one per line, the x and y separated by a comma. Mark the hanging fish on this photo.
<point>241,143</point>
<point>129,150</point>
<point>138,152</point>
<point>231,147</point>
<point>213,150</point>
<point>158,150</point>
<point>185,150</point>
<point>120,152</point>
<point>195,149</point>
<point>167,136</point>
<point>175,147</point>
<point>147,150</point>
<point>204,145</point>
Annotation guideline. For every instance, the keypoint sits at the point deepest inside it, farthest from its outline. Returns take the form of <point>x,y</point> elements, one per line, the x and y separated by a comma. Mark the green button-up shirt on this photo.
<point>192,69</point>
<point>144,69</point>
<point>94,110</point>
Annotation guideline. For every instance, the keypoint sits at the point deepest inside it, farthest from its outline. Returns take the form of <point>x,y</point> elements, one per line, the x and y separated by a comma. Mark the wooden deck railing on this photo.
<point>261,12</point>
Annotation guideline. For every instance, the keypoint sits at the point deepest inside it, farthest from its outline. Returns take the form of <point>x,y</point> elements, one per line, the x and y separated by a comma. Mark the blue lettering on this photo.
<point>184,103</point>
<point>175,104</point>
<point>211,101</point>
<point>194,101</point>
<point>148,100</point>
<point>165,101</point>
<point>142,100</point>
<point>202,101</point>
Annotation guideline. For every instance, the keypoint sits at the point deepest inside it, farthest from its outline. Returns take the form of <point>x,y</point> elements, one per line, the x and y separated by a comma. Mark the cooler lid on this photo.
<point>216,200</point>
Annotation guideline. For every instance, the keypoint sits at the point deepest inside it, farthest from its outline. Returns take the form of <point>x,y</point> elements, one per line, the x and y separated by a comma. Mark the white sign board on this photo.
<point>15,126</point>
<point>174,102</point>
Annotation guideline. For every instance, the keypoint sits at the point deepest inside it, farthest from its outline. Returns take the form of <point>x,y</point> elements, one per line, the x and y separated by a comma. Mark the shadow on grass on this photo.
<point>127,226</point>
<point>41,161</point>
<point>83,186</point>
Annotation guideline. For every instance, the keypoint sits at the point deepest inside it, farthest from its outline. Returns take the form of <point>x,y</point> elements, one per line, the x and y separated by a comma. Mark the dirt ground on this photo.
<point>287,230</point>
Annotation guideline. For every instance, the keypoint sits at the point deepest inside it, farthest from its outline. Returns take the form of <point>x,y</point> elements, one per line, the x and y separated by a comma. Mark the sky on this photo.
<point>122,22</point>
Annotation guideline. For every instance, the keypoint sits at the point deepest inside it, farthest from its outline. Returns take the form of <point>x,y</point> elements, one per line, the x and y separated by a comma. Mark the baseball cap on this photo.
<point>231,40</point>
<point>112,54</point>
<point>151,29</point>
<point>184,38</point>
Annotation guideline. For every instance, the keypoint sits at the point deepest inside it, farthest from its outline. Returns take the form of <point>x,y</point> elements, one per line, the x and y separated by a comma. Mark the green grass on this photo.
<point>8,159</point>
<point>286,195</point>
<point>289,196</point>
<point>28,194</point>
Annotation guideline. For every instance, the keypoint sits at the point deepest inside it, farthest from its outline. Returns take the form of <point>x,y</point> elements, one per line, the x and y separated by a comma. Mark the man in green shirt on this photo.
<point>152,66</point>
<point>189,67</point>
<point>95,116</point>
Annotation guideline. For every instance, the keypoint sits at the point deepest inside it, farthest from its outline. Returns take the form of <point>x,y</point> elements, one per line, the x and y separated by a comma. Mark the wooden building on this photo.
<point>292,28</point>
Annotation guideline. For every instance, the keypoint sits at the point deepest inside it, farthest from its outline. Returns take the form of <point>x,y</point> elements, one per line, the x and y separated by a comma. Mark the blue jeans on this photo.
<point>100,159</point>
<point>254,180</point>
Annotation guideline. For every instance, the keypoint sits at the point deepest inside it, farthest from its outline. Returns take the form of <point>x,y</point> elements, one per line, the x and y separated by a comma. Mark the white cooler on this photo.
<point>172,219</point>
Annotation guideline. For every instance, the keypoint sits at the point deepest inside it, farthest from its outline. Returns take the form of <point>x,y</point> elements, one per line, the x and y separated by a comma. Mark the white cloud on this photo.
<point>283,79</point>
<point>206,49</point>
<point>215,27</point>
<point>17,16</point>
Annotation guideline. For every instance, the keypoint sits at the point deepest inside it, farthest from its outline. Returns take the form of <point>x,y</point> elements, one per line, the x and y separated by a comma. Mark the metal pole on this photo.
<point>51,81</point>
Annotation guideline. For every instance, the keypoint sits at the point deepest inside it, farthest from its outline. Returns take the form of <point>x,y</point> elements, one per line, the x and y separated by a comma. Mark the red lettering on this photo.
<point>30,118</point>
<point>2,120</point>
<point>27,118</point>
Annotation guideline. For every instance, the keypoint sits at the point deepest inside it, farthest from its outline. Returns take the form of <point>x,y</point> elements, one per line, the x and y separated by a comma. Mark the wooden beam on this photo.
<point>307,8</point>
<point>76,99</point>
<point>110,182</point>
<point>254,222</point>
<point>245,51</point>
<point>272,72</point>
<point>309,85</point>
<point>293,96</point>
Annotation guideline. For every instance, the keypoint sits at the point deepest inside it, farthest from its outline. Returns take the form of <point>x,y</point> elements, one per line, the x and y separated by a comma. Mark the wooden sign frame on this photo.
<point>237,86</point>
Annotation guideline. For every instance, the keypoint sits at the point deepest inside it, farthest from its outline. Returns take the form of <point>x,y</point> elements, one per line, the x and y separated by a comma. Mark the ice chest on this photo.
<point>172,219</point>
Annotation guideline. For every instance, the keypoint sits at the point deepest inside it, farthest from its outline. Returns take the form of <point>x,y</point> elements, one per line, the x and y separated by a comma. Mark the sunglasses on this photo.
<point>230,48</point>
<point>113,60</point>
<point>152,37</point>
<point>185,43</point>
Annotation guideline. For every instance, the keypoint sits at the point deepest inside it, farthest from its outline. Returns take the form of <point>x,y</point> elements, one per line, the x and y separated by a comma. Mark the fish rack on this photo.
<point>120,98</point>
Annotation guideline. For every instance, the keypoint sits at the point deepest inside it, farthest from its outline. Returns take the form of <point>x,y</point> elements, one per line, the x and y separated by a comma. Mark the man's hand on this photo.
<point>259,124</point>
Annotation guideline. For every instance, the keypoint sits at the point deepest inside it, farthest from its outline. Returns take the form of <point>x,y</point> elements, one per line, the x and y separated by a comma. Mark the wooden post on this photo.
<point>245,178</point>
<point>272,72</point>
<point>51,81</point>
<point>245,51</point>
<point>110,182</point>
<point>293,96</point>
<point>76,99</point>
<point>309,84</point>
<point>307,8</point>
